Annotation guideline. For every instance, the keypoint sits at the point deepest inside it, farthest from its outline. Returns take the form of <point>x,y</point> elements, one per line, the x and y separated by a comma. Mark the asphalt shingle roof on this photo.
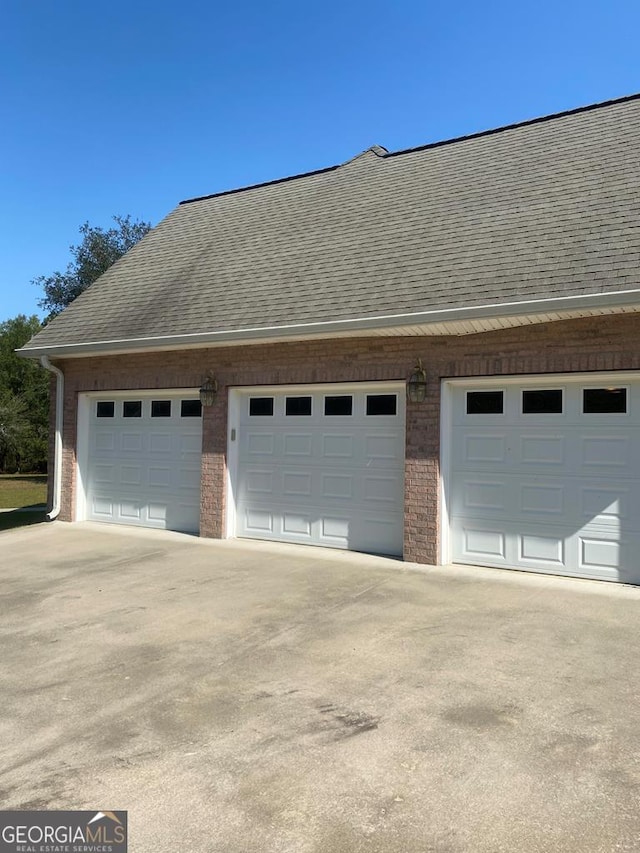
<point>542,209</point>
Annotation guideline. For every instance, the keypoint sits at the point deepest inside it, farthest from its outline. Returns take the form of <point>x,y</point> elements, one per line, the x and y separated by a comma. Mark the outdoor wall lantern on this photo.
<point>417,384</point>
<point>209,390</point>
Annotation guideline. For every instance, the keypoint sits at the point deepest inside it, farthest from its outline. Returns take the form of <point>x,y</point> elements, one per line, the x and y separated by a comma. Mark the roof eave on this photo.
<point>574,306</point>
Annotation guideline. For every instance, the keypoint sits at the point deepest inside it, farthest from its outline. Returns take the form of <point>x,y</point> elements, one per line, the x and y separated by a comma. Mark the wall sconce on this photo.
<point>208,390</point>
<point>417,384</point>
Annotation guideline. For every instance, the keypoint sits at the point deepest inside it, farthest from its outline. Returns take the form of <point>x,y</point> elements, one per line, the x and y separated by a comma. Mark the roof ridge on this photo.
<point>263,184</point>
<point>538,120</point>
<point>378,150</point>
<point>382,152</point>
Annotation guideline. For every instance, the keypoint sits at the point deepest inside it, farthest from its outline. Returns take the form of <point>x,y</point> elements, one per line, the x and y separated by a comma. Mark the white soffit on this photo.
<point>470,325</point>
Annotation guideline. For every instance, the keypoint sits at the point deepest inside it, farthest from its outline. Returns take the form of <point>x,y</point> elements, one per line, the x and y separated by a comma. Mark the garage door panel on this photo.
<point>315,487</point>
<point>597,553</point>
<point>129,511</point>
<point>296,484</point>
<point>190,446</point>
<point>145,471</point>
<point>104,473</point>
<point>510,544</point>
<point>542,498</point>
<point>574,503</point>
<point>158,476</point>
<point>101,507</point>
<point>260,444</point>
<point>257,519</point>
<point>296,524</point>
<point>129,475</point>
<point>593,456</point>
<point>259,482</point>
<point>363,449</point>
<point>297,444</point>
<point>483,449</point>
<point>558,495</point>
<point>339,486</point>
<point>337,446</point>
<point>131,442</point>
<point>602,503</point>
<point>104,441</point>
<point>522,498</point>
<point>326,480</point>
<point>539,548</point>
<point>480,541</point>
<point>605,451</point>
<point>539,449</point>
<point>381,533</point>
<point>382,489</point>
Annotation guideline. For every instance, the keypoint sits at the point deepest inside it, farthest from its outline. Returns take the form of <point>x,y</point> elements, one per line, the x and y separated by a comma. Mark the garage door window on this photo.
<point>260,406</point>
<point>485,402</point>
<point>382,404</point>
<point>298,406</point>
<point>338,406</point>
<point>105,409</point>
<point>132,409</point>
<point>600,401</point>
<point>545,402</point>
<point>161,408</point>
<point>190,409</point>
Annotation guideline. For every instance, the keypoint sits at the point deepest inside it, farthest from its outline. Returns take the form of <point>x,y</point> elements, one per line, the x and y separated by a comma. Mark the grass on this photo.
<point>28,492</point>
<point>22,490</point>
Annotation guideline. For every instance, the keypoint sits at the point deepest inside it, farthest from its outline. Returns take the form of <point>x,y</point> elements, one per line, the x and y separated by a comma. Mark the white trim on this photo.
<point>58,444</point>
<point>141,392</point>
<point>545,378</point>
<point>82,455</point>
<point>270,390</point>
<point>446,420</point>
<point>258,334</point>
<point>233,429</point>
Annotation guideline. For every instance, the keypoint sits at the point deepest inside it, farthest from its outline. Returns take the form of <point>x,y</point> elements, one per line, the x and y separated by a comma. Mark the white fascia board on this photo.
<point>337,328</point>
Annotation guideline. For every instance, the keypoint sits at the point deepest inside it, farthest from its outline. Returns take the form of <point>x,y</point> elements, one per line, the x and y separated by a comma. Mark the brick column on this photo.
<point>422,477</point>
<point>213,483</point>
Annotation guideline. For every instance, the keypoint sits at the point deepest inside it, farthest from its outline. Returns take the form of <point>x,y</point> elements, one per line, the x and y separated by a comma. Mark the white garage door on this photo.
<point>546,475</point>
<point>323,466</point>
<point>143,461</point>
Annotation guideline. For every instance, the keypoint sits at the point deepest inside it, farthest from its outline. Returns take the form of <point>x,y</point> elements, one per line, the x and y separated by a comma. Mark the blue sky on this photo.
<point>130,107</point>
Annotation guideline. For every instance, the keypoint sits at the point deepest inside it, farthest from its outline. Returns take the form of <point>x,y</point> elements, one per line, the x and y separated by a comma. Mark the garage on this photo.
<point>140,459</point>
<point>543,473</point>
<point>321,465</point>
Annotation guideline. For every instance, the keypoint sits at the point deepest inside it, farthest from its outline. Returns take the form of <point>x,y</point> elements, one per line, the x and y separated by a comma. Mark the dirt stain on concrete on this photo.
<point>482,716</point>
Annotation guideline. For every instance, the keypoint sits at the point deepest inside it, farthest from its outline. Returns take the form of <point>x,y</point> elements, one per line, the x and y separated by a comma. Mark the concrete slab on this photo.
<point>238,696</point>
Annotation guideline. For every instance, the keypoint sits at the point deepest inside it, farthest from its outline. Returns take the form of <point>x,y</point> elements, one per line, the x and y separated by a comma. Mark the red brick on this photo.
<point>604,343</point>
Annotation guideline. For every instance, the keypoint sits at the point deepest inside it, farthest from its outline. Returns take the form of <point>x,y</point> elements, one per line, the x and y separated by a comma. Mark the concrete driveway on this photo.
<point>251,697</point>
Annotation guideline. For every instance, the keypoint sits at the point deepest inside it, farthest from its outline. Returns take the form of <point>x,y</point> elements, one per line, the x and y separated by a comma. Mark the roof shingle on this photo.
<point>543,209</point>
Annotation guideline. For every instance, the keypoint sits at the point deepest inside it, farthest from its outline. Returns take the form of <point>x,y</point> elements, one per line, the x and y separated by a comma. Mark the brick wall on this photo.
<point>611,343</point>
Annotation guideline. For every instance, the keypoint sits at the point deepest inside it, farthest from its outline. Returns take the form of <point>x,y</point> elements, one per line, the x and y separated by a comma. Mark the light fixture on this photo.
<point>417,384</point>
<point>208,390</point>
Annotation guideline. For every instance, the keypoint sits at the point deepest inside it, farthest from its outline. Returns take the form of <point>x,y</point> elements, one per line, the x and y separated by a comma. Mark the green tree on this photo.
<point>24,400</point>
<point>99,249</point>
<point>15,433</point>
